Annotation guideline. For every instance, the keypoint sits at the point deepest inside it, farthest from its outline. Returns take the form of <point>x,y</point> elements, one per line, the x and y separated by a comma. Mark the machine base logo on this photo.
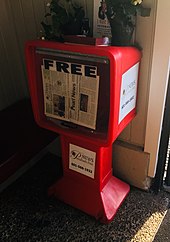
<point>82,160</point>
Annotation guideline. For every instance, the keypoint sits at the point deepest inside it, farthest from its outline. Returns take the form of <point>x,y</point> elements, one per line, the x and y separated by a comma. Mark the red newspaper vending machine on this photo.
<point>87,94</point>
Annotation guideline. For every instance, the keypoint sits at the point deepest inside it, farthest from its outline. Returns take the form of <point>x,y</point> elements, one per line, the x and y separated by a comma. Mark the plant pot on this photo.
<point>121,34</point>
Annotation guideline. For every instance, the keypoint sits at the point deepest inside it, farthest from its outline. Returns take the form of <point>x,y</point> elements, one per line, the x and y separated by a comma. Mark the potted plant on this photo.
<point>122,17</point>
<point>63,18</point>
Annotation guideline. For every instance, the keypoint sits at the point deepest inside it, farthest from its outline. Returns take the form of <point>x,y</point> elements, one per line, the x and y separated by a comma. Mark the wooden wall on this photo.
<point>19,21</point>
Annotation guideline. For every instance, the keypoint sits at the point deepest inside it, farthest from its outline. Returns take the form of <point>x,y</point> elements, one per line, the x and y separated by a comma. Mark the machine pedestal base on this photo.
<point>103,204</point>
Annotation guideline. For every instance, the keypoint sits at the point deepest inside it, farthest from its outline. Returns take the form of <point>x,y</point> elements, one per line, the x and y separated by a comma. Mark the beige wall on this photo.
<point>19,21</point>
<point>158,84</point>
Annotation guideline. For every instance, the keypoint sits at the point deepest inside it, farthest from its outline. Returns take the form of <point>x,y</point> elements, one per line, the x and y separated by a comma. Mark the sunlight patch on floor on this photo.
<point>150,227</point>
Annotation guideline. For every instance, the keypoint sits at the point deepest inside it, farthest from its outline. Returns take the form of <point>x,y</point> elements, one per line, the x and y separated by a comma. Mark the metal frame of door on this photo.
<point>163,161</point>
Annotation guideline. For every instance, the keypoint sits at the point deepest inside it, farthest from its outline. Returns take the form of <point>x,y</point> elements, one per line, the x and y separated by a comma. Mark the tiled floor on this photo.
<point>28,214</point>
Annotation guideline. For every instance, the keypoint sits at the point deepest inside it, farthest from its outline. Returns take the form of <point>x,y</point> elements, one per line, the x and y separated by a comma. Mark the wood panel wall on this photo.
<point>19,21</point>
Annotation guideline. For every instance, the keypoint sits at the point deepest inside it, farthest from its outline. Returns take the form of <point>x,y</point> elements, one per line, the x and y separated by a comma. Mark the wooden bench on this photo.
<point>20,138</point>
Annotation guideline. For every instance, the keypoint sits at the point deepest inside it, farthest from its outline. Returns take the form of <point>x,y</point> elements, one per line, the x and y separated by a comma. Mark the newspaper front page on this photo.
<point>70,97</point>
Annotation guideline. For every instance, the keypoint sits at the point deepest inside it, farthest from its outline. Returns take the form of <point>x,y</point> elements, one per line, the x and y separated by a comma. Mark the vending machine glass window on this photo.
<point>74,89</point>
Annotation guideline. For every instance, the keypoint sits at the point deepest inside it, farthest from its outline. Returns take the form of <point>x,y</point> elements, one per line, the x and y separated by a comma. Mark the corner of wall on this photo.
<point>130,163</point>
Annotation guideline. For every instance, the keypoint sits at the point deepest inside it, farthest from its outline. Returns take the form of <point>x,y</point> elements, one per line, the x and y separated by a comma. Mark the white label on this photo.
<point>128,91</point>
<point>82,160</point>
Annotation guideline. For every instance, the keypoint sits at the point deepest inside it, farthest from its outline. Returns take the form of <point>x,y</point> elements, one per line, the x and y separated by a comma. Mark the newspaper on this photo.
<point>70,97</point>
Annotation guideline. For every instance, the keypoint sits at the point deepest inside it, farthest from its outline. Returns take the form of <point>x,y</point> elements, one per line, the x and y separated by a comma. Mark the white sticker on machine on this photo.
<point>128,91</point>
<point>82,160</point>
